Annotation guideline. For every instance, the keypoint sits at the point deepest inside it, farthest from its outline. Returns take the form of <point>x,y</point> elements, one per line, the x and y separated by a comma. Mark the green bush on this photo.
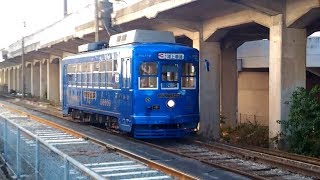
<point>302,129</point>
<point>249,133</point>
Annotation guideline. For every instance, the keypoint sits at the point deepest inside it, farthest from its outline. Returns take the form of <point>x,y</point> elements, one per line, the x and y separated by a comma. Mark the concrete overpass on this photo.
<point>215,27</point>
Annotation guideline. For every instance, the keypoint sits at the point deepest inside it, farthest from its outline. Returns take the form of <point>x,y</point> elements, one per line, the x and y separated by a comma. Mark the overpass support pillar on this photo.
<point>229,86</point>
<point>5,76</point>
<point>43,78</point>
<point>14,78</point>
<point>9,79</point>
<point>287,69</point>
<point>35,79</point>
<point>209,87</point>
<point>1,76</point>
<point>28,78</point>
<point>53,89</point>
<point>20,75</point>
<point>18,78</point>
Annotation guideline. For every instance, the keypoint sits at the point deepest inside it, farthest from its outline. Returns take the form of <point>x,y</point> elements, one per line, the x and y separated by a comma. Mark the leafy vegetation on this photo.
<point>247,134</point>
<point>302,129</point>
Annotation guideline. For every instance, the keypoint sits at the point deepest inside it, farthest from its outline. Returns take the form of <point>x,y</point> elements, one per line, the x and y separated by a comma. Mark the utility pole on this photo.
<point>65,8</point>
<point>96,20</point>
<point>23,63</point>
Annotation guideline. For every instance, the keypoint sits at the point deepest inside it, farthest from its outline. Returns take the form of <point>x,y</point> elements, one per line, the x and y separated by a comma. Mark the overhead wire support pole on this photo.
<point>23,64</point>
<point>96,21</point>
<point>65,8</point>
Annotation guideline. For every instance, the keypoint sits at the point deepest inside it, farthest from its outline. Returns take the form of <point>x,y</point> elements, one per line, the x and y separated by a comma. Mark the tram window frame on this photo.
<point>95,74</point>
<point>166,73</point>
<point>126,72</point>
<point>84,78</point>
<point>188,75</point>
<point>71,75</point>
<point>78,75</point>
<point>116,64</point>
<point>145,75</point>
<point>109,74</point>
<point>89,74</point>
<point>102,74</point>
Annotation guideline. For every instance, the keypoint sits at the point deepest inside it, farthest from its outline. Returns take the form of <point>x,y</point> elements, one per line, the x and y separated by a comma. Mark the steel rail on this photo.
<point>150,163</point>
<point>297,157</point>
<point>277,158</point>
<point>285,162</point>
<point>271,159</point>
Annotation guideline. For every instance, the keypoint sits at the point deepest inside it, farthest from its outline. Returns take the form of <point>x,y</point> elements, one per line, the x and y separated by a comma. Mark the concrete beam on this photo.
<point>270,7</point>
<point>67,47</point>
<point>192,26</point>
<point>50,51</point>
<point>145,8</point>
<point>210,27</point>
<point>296,9</point>
<point>175,30</point>
<point>36,55</point>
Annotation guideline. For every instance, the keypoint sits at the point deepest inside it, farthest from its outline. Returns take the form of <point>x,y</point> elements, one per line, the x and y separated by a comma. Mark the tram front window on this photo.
<point>169,76</point>
<point>148,72</point>
<point>188,79</point>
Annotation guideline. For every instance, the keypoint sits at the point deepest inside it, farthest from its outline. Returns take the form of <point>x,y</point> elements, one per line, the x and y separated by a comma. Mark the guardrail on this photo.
<point>29,156</point>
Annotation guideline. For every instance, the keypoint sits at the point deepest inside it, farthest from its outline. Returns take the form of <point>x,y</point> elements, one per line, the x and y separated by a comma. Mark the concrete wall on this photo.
<point>253,97</point>
<point>255,54</point>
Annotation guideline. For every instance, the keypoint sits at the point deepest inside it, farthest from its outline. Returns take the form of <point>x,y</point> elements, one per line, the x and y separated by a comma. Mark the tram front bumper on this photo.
<point>165,126</point>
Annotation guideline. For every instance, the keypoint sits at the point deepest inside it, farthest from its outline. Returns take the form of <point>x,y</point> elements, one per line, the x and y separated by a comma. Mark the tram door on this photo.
<point>126,94</point>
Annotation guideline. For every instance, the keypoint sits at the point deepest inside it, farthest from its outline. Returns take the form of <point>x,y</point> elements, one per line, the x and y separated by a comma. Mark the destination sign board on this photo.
<point>171,56</point>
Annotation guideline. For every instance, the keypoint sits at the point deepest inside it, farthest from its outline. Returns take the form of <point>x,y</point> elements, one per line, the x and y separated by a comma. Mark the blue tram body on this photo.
<point>145,88</point>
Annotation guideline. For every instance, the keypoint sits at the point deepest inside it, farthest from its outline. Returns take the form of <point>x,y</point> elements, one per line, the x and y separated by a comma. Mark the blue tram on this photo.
<point>143,83</point>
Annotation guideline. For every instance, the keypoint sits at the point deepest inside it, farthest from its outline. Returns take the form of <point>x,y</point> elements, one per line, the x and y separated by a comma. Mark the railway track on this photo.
<point>255,163</point>
<point>103,159</point>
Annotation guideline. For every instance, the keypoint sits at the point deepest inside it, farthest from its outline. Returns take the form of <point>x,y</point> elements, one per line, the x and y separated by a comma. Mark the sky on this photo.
<point>36,13</point>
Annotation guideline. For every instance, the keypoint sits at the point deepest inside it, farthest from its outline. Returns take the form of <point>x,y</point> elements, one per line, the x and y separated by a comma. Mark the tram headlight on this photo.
<point>171,103</point>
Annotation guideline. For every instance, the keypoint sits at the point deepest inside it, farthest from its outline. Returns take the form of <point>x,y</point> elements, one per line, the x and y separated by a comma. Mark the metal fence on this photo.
<point>30,157</point>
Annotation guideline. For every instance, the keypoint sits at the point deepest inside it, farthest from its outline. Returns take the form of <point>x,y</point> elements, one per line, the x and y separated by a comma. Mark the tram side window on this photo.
<point>71,74</point>
<point>169,76</point>
<point>116,76</point>
<point>102,74</point>
<point>95,75</point>
<point>129,73</point>
<point>109,74</point>
<point>126,73</point>
<point>84,74</point>
<point>148,72</point>
<point>89,74</point>
<point>78,77</point>
<point>188,79</point>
